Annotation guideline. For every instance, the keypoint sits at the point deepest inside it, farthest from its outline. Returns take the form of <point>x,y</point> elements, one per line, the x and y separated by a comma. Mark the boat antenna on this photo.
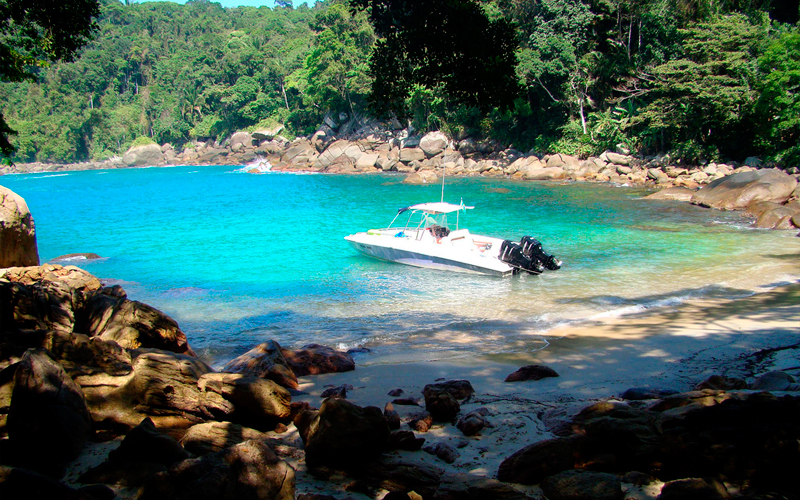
<point>444,162</point>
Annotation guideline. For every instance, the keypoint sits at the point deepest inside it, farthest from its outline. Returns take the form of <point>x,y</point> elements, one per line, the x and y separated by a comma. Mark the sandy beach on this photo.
<point>671,349</point>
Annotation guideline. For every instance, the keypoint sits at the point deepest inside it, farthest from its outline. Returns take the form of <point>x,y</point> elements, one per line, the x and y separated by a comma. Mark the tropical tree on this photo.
<point>34,33</point>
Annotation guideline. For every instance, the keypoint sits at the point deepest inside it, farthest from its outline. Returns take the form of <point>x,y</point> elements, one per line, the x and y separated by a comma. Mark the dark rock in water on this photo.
<point>359,350</point>
<point>404,440</point>
<point>582,485</point>
<point>336,392</point>
<point>738,190</point>
<point>144,443</point>
<point>694,489</point>
<point>531,372</point>
<point>473,422</point>
<point>443,451</point>
<point>244,471</point>
<point>343,434</point>
<point>77,256</point>
<point>391,416</point>
<point>314,359</point>
<point>395,392</point>
<point>48,421</point>
<point>720,383</point>
<point>265,361</point>
<point>421,422</point>
<point>18,484</point>
<point>211,437</point>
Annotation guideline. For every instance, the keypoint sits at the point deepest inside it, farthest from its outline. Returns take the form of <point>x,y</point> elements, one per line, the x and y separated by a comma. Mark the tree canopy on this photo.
<point>702,80</point>
<point>34,32</point>
<point>449,45</point>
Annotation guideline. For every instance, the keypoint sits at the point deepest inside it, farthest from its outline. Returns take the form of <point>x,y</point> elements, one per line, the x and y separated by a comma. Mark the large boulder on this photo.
<point>210,437</point>
<point>315,359</point>
<point>542,459</point>
<point>17,232</point>
<point>265,361</point>
<point>109,315</point>
<point>738,190</point>
<point>673,193</point>
<point>141,156</point>
<point>583,485</point>
<point>256,402</point>
<point>442,399</point>
<point>48,421</point>
<point>422,177</point>
<point>246,471</point>
<point>433,143</point>
<point>343,434</point>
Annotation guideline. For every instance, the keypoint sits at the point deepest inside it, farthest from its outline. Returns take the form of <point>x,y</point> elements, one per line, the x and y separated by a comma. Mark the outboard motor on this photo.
<point>533,250</point>
<point>512,254</point>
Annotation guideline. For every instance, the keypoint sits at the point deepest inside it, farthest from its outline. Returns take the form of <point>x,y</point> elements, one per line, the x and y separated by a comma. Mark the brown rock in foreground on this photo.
<point>17,231</point>
<point>265,361</point>
<point>342,434</point>
<point>48,412</point>
<point>249,470</point>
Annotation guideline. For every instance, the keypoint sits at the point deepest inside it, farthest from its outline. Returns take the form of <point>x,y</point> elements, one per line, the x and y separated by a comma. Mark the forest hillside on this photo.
<point>702,80</point>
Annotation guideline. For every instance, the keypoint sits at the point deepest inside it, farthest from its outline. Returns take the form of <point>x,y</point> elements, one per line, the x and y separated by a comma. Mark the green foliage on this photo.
<point>336,67</point>
<point>142,141</point>
<point>698,78</point>
<point>34,33</point>
<point>449,45</point>
<point>778,104</point>
<point>702,101</point>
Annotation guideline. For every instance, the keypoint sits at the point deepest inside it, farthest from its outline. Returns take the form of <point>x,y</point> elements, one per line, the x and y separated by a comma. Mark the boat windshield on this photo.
<point>421,219</point>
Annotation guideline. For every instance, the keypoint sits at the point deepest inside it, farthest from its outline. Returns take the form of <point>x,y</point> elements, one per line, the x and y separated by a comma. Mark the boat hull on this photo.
<point>431,256</point>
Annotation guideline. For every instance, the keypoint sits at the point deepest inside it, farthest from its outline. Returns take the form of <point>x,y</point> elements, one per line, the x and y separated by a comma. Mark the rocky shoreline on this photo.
<point>83,368</point>
<point>420,158</point>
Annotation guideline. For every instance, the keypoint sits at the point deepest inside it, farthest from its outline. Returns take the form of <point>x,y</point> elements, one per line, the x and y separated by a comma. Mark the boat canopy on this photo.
<point>436,208</point>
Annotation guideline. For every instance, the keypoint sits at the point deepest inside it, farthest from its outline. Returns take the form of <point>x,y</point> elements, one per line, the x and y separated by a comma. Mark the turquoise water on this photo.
<point>238,258</point>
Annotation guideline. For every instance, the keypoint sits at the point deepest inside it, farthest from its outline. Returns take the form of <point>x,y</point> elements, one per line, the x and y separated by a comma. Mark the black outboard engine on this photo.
<point>532,249</point>
<point>512,254</point>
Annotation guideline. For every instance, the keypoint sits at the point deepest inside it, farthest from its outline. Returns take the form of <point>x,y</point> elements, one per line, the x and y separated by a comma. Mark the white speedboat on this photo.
<point>426,238</point>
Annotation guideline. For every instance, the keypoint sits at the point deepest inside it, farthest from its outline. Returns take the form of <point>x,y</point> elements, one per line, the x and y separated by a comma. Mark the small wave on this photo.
<point>51,175</point>
<point>259,165</point>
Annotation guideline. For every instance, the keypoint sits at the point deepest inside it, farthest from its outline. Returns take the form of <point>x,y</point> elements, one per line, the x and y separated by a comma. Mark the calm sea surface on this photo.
<point>238,259</point>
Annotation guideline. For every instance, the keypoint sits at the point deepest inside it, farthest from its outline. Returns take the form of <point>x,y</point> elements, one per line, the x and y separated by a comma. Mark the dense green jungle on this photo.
<point>702,80</point>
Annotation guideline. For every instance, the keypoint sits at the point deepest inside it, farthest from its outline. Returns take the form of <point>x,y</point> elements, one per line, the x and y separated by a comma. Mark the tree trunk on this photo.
<point>285,100</point>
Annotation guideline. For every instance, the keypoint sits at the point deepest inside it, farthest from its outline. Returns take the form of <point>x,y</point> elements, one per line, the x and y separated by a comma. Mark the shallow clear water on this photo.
<point>238,259</point>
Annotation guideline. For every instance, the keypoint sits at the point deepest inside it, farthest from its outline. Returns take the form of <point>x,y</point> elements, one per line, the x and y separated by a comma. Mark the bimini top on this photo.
<point>436,208</point>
